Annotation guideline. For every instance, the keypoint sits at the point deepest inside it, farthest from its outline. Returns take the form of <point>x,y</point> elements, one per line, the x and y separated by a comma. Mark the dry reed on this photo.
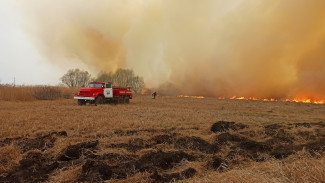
<point>31,93</point>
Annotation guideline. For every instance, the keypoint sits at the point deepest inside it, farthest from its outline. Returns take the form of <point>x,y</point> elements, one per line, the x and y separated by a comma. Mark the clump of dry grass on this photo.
<point>300,168</point>
<point>66,176</point>
<point>9,158</point>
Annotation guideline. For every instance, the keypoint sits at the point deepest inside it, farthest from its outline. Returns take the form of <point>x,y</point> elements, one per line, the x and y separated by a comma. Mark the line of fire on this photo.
<point>296,100</point>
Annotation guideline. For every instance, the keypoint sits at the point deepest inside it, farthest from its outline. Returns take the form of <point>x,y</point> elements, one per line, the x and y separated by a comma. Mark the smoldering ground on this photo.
<point>213,47</point>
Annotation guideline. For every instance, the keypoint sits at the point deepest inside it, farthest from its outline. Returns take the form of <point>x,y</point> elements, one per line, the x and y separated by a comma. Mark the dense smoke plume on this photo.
<point>212,47</point>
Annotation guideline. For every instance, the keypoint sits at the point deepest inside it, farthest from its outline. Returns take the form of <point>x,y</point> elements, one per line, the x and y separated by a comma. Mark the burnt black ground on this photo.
<point>231,141</point>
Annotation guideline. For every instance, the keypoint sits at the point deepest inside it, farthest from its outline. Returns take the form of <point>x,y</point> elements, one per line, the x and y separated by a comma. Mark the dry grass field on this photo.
<point>163,140</point>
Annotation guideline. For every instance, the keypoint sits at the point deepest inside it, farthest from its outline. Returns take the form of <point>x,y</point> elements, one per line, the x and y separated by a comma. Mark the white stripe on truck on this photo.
<point>85,98</point>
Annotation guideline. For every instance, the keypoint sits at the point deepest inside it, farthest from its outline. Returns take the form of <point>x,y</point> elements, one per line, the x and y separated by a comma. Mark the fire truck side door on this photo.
<point>108,91</point>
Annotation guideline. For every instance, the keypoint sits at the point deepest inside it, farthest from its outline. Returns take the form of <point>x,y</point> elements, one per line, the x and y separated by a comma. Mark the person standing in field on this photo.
<point>154,94</point>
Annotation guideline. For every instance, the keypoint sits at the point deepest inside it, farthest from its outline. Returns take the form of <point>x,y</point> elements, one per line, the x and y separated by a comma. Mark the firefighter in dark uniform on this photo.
<point>154,94</point>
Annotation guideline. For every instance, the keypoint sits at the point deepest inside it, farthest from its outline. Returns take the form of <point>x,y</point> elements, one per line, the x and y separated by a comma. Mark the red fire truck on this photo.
<point>102,93</point>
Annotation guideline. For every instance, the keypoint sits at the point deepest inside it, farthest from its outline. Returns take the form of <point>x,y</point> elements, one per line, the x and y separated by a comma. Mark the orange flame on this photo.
<point>188,96</point>
<point>297,99</point>
<point>145,93</point>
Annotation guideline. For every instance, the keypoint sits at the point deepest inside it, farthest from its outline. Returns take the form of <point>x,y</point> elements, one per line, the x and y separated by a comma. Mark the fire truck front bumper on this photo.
<point>84,98</point>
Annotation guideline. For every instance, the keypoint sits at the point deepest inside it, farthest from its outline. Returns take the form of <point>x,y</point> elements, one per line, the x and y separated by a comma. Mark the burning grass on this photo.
<point>189,96</point>
<point>293,99</point>
<point>162,140</point>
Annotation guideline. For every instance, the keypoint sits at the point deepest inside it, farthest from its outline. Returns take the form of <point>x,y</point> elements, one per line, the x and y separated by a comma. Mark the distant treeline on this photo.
<point>122,77</point>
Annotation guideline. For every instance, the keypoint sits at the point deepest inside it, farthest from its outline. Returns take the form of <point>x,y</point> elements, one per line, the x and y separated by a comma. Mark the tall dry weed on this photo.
<point>16,93</point>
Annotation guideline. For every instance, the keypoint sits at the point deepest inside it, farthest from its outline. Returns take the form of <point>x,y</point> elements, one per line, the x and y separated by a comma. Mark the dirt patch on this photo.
<point>133,145</point>
<point>249,149</point>
<point>280,146</point>
<point>113,158</point>
<point>309,125</point>
<point>188,173</point>
<point>126,133</point>
<point>251,133</point>
<point>196,143</point>
<point>75,151</point>
<point>271,130</point>
<point>307,135</point>
<point>282,152</point>
<point>242,146</point>
<point>34,167</point>
<point>319,124</point>
<point>226,138</point>
<point>151,162</point>
<point>254,146</point>
<point>224,126</point>
<point>38,143</point>
<point>121,166</point>
<point>41,143</point>
<point>217,163</point>
<point>160,160</point>
<point>274,126</point>
<point>8,141</point>
<point>95,171</point>
<point>164,139</point>
<point>317,146</point>
<point>306,125</point>
<point>320,132</point>
<point>281,137</point>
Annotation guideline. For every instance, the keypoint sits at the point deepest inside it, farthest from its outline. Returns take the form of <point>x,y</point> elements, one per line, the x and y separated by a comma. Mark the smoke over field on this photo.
<point>264,49</point>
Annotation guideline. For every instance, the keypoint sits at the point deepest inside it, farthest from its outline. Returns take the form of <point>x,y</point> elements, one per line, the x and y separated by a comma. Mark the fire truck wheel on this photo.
<point>99,100</point>
<point>121,100</point>
<point>127,100</point>
<point>81,102</point>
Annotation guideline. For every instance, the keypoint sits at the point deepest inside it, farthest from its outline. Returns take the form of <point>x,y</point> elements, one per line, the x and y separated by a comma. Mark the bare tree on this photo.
<point>104,77</point>
<point>76,78</point>
<point>124,78</point>
<point>137,84</point>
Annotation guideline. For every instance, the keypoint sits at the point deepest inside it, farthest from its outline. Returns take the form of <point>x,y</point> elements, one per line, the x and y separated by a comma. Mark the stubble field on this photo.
<point>163,140</point>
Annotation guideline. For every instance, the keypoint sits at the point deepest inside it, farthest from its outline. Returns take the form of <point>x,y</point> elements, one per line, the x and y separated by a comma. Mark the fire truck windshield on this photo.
<point>95,85</point>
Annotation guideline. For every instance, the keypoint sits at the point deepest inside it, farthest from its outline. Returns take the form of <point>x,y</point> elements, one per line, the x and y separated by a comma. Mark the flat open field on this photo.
<point>162,140</point>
